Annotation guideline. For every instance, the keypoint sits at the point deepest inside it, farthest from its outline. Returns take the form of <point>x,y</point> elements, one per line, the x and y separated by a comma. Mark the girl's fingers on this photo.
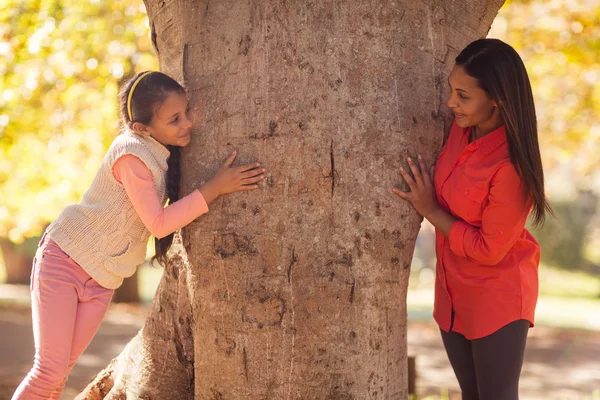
<point>230,159</point>
<point>252,172</point>
<point>247,167</point>
<point>246,188</point>
<point>253,179</point>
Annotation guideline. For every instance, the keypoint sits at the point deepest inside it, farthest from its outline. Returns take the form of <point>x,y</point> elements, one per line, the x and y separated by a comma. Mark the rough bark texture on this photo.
<point>297,291</point>
<point>158,362</point>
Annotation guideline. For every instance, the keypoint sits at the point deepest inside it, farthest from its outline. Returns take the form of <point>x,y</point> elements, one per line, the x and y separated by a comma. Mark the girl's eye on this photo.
<point>174,121</point>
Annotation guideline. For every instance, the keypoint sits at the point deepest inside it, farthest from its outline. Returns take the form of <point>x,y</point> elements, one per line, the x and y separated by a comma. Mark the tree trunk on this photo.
<point>296,291</point>
<point>17,259</point>
<point>128,292</point>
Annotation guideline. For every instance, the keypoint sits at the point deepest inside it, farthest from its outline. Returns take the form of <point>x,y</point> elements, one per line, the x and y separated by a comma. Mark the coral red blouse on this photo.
<point>487,269</point>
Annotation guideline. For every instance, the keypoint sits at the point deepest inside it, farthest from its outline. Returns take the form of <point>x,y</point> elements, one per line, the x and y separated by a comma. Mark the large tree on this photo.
<point>296,291</point>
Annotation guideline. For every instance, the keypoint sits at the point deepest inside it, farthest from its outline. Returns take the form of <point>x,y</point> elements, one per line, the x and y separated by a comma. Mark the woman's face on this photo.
<point>471,105</point>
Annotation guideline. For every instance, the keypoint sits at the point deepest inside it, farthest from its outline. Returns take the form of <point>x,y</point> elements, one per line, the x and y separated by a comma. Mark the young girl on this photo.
<point>487,179</point>
<point>85,254</point>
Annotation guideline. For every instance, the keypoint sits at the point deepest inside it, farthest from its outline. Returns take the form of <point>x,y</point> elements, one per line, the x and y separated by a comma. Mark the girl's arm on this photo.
<point>162,221</point>
<point>159,220</point>
<point>230,179</point>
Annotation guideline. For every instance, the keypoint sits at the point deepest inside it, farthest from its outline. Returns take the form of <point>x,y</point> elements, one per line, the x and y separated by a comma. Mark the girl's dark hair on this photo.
<point>502,74</point>
<point>148,95</point>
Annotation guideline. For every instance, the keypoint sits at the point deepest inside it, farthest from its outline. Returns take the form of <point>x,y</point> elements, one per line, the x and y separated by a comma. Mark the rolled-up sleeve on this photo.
<point>502,222</point>
<point>159,220</point>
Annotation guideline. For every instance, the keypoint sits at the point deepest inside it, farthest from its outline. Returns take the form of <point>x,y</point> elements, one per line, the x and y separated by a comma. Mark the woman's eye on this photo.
<point>462,96</point>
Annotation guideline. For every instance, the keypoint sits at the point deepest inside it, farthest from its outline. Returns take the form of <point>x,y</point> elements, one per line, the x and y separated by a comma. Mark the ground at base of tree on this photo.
<point>560,363</point>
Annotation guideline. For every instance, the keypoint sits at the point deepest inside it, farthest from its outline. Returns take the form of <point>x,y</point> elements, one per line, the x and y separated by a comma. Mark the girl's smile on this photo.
<point>171,124</point>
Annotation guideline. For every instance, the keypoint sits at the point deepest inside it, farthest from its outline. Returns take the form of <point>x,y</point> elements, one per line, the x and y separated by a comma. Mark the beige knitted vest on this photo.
<point>103,233</point>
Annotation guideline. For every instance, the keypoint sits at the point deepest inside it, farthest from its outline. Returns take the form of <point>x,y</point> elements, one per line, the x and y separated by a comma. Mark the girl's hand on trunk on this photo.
<point>230,179</point>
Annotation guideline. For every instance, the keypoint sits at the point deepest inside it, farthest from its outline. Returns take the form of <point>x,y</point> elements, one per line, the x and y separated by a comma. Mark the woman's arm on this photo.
<point>503,219</point>
<point>422,195</point>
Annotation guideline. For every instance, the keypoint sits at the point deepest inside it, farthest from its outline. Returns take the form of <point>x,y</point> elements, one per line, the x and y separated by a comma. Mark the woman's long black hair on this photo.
<point>149,94</point>
<point>502,74</point>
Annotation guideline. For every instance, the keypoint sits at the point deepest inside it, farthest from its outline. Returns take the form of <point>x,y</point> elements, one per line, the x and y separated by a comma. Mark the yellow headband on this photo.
<point>131,93</point>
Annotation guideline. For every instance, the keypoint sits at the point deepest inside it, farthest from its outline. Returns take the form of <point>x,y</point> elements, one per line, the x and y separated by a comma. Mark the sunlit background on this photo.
<point>61,63</point>
<point>559,41</point>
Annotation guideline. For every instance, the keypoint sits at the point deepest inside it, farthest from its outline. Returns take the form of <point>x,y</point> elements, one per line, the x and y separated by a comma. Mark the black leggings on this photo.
<point>488,368</point>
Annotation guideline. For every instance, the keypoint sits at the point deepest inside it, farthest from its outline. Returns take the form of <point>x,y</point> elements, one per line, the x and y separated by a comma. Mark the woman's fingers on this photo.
<point>401,194</point>
<point>424,173</point>
<point>416,171</point>
<point>409,180</point>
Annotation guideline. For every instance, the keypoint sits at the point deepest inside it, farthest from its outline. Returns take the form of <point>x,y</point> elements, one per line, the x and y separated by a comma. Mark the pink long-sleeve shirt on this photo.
<point>161,221</point>
<point>158,219</point>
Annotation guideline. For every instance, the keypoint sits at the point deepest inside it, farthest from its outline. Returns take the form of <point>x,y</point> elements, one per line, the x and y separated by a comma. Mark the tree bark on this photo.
<point>298,290</point>
<point>128,292</point>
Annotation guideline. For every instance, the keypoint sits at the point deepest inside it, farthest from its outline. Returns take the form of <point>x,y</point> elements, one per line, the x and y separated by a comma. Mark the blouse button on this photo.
<point>467,191</point>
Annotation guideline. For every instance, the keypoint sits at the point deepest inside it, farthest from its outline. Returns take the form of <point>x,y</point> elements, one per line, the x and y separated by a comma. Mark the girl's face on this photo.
<point>471,105</point>
<point>171,124</point>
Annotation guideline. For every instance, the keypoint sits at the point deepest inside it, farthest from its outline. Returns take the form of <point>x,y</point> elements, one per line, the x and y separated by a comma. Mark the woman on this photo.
<point>488,178</point>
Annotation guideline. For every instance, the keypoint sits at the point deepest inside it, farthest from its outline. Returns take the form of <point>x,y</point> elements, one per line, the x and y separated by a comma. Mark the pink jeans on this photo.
<point>67,307</point>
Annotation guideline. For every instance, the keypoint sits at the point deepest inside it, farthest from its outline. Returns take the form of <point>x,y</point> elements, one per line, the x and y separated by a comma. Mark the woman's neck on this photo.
<point>481,130</point>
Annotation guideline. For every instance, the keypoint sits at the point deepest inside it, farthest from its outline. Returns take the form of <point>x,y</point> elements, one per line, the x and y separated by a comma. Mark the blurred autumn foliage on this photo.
<point>61,62</point>
<point>559,40</point>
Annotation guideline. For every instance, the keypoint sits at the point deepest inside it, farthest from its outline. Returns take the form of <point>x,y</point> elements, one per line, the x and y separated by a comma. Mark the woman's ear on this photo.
<point>141,129</point>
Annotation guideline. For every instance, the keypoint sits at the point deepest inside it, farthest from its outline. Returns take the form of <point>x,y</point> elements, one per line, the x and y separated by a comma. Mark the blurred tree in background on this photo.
<point>559,40</point>
<point>60,64</point>
<point>563,238</point>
